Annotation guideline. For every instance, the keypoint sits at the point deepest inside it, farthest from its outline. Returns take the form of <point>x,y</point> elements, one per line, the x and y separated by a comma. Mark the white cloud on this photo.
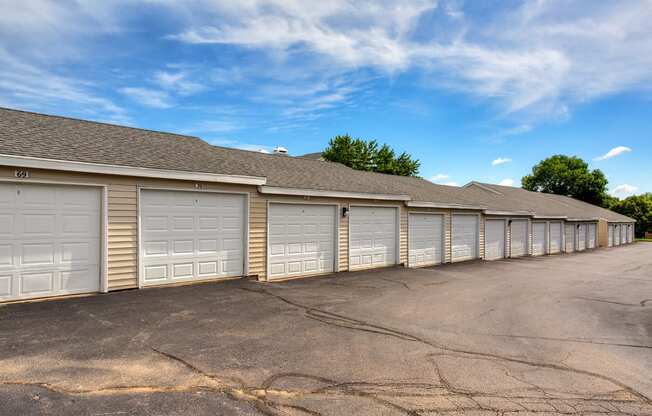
<point>214,126</point>
<point>452,183</point>
<point>148,97</point>
<point>530,58</point>
<point>177,82</point>
<point>539,57</point>
<point>439,177</point>
<point>34,88</point>
<point>624,190</point>
<point>500,161</point>
<point>241,145</point>
<point>506,182</point>
<point>616,151</point>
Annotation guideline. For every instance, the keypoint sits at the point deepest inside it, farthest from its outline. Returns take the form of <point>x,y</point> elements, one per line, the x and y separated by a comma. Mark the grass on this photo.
<point>648,240</point>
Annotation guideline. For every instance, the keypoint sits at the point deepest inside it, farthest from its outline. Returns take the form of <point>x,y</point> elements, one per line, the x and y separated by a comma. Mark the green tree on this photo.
<point>638,207</point>
<point>570,176</point>
<point>366,155</point>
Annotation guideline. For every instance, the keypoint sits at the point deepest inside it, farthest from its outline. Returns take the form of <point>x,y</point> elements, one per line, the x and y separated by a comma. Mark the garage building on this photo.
<point>91,207</point>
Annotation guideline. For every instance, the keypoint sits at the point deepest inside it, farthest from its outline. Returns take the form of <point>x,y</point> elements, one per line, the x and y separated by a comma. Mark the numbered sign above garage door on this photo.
<point>425,239</point>
<point>465,232</point>
<point>301,240</point>
<point>187,236</point>
<point>373,237</point>
<point>50,240</point>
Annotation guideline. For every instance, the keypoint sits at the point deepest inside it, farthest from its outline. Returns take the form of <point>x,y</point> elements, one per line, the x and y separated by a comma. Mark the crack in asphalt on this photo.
<point>359,325</point>
<point>641,303</point>
<point>572,340</point>
<point>271,401</point>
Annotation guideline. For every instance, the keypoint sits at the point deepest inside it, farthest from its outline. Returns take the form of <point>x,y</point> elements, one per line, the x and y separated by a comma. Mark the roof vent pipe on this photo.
<point>280,150</point>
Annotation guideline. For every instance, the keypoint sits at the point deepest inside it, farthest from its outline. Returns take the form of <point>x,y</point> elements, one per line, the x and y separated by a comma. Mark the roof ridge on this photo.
<point>104,123</point>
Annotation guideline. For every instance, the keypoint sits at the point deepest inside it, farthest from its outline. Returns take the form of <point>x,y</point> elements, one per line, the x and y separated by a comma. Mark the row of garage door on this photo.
<point>620,234</point>
<point>51,238</point>
<point>511,238</point>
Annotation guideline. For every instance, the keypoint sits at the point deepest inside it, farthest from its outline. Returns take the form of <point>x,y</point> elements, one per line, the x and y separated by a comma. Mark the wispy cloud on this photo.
<point>506,182</point>
<point>451,183</point>
<point>439,177</point>
<point>178,82</point>
<point>624,190</point>
<point>241,145</point>
<point>616,151</point>
<point>500,161</point>
<point>214,126</point>
<point>34,88</point>
<point>529,58</point>
<point>148,97</point>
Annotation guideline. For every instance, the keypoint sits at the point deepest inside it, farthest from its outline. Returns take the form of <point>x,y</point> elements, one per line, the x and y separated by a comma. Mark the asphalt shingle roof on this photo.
<point>60,138</point>
<point>508,198</point>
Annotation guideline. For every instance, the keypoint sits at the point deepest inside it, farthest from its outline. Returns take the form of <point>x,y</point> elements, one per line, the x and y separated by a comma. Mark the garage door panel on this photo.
<point>464,245</point>
<point>538,239</point>
<point>301,239</point>
<point>581,237</point>
<point>5,285</point>
<point>49,240</point>
<point>425,235</point>
<point>569,238</point>
<point>373,234</point>
<point>184,235</point>
<point>556,237</point>
<point>592,234</point>
<point>494,239</point>
<point>519,238</point>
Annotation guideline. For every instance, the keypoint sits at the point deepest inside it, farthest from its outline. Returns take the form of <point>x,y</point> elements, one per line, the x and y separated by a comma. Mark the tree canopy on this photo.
<point>365,155</point>
<point>570,176</point>
<point>638,207</point>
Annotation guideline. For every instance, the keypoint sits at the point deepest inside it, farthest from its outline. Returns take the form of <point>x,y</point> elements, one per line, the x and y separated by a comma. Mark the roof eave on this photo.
<point>277,190</point>
<point>508,213</point>
<point>120,170</point>
<point>425,204</point>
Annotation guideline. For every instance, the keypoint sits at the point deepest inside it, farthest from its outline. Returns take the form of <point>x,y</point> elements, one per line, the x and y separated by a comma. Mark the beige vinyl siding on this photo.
<point>481,237</point>
<point>122,260</point>
<point>603,233</point>
<point>446,213</point>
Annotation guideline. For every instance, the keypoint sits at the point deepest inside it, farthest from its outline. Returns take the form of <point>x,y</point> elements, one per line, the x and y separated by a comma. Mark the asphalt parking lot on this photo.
<point>565,334</point>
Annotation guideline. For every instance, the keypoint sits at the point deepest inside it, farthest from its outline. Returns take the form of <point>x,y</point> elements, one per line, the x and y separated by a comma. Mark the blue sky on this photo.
<point>475,90</point>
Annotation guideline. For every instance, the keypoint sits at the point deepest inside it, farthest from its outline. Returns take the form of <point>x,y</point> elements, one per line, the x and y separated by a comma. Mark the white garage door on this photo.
<point>373,234</point>
<point>623,234</point>
<point>555,237</point>
<point>569,238</point>
<point>581,238</point>
<point>592,236</point>
<point>538,238</point>
<point>630,234</point>
<point>617,235</point>
<point>49,240</point>
<point>464,244</point>
<point>519,237</point>
<point>494,244</point>
<point>189,236</point>
<point>425,237</point>
<point>611,236</point>
<point>301,240</point>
